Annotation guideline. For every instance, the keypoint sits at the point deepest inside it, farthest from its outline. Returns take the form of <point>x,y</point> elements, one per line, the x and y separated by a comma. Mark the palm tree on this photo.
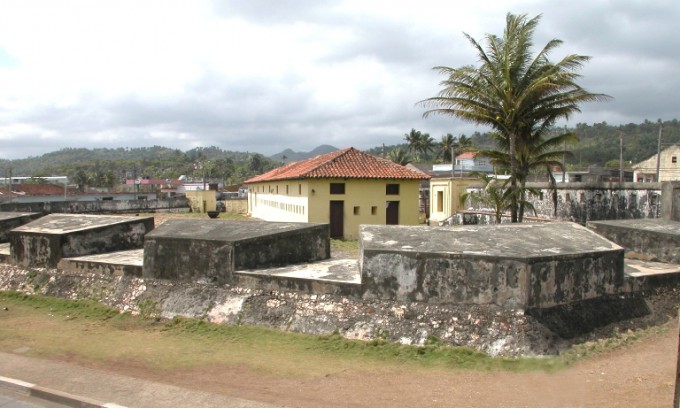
<point>514,92</point>
<point>536,152</point>
<point>413,140</point>
<point>399,156</point>
<point>446,146</point>
<point>420,144</point>
<point>426,145</point>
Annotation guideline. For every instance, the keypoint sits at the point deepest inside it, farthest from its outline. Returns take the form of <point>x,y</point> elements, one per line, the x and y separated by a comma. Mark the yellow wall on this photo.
<point>450,191</point>
<point>201,201</point>
<point>368,195</point>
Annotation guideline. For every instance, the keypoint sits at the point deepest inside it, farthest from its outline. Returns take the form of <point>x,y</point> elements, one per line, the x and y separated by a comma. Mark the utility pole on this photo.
<point>620,158</point>
<point>658,153</point>
<point>453,160</point>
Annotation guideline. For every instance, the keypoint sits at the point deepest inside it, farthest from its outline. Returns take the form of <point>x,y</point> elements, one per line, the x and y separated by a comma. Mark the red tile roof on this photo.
<point>467,155</point>
<point>346,163</point>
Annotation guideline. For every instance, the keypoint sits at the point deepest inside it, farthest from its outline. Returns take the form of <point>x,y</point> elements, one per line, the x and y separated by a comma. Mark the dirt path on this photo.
<point>639,375</point>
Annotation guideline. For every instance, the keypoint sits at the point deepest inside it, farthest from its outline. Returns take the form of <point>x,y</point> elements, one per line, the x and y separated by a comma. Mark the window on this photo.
<point>674,159</point>
<point>374,210</point>
<point>392,189</point>
<point>337,188</point>
<point>356,210</point>
<point>440,201</point>
<point>286,189</point>
<point>299,189</point>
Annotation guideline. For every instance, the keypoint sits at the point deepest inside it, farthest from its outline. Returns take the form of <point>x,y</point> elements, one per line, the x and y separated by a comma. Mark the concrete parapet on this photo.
<point>657,239</point>
<point>211,250</point>
<point>519,266</point>
<point>45,241</point>
<point>670,200</point>
<point>11,220</point>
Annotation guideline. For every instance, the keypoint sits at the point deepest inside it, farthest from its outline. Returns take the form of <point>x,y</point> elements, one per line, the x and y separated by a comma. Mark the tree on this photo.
<point>536,152</point>
<point>446,146</point>
<point>514,92</point>
<point>399,156</point>
<point>420,144</point>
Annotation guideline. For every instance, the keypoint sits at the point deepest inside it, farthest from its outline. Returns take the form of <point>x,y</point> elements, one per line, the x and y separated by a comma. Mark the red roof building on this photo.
<point>345,188</point>
<point>347,163</point>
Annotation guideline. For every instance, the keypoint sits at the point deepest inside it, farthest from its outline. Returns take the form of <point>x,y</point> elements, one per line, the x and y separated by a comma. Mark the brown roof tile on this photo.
<point>346,163</point>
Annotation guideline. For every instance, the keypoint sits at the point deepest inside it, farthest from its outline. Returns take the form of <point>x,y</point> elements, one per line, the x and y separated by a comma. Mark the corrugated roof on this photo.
<point>346,163</point>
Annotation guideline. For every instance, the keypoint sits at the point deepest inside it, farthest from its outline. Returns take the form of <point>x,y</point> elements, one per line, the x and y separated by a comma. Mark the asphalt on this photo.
<point>74,386</point>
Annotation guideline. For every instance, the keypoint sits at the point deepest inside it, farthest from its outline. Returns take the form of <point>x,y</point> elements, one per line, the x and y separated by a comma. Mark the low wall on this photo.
<point>583,202</point>
<point>653,239</point>
<point>98,207</point>
<point>535,265</point>
<point>47,240</point>
<point>211,250</point>
<point>236,206</point>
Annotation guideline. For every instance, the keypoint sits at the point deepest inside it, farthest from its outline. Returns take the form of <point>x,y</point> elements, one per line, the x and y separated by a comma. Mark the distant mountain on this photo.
<point>288,155</point>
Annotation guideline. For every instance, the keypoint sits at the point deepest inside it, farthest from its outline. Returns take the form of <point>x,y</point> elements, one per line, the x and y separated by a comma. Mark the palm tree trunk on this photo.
<point>513,178</point>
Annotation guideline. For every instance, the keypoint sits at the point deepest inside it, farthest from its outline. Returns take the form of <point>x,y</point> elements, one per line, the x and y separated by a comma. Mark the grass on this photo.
<point>89,332</point>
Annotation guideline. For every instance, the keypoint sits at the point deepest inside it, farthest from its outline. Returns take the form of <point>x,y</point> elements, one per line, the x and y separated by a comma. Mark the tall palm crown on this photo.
<point>512,91</point>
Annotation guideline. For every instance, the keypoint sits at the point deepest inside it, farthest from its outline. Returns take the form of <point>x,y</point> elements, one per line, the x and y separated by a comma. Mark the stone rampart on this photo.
<point>583,202</point>
<point>522,266</point>
<point>98,206</point>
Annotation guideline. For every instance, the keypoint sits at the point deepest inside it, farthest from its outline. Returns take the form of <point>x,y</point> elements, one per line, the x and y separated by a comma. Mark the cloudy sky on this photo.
<point>261,76</point>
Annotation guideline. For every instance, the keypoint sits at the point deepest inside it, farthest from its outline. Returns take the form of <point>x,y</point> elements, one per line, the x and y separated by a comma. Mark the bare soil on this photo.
<point>641,374</point>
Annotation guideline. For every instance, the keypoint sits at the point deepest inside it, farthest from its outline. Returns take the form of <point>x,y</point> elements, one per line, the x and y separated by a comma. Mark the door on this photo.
<point>337,221</point>
<point>392,213</point>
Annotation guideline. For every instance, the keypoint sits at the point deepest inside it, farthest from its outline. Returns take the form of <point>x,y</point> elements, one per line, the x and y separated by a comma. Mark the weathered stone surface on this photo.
<point>517,266</point>
<point>487,328</point>
<point>45,241</point>
<point>657,238</point>
<point>583,202</point>
<point>98,206</point>
<point>11,220</point>
<point>211,250</point>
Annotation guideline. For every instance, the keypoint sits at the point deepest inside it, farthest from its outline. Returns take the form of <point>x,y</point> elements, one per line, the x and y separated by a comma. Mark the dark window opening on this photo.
<point>337,188</point>
<point>392,189</point>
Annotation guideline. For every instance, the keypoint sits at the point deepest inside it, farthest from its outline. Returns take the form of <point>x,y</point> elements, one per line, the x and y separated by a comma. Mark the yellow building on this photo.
<point>345,189</point>
<point>445,196</point>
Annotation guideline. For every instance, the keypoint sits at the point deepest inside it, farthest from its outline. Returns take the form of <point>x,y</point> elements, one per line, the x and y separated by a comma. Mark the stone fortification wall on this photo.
<point>583,202</point>
<point>523,266</point>
<point>100,206</point>
<point>489,329</point>
<point>485,328</point>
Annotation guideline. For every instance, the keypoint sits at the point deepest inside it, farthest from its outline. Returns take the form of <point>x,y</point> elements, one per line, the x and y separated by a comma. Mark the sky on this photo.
<point>262,76</point>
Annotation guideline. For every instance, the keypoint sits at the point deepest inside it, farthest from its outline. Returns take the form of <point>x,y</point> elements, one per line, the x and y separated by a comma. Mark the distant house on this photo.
<point>345,188</point>
<point>669,167</point>
<point>467,162</point>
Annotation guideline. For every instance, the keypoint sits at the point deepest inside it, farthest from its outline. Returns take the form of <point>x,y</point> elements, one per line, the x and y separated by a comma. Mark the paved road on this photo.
<point>107,388</point>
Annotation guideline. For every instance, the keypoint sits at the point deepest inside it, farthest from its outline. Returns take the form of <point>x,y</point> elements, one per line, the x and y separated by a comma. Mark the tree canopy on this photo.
<point>515,92</point>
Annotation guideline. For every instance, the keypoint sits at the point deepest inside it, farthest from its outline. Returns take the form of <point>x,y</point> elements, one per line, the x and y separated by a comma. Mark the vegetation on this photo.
<point>109,167</point>
<point>519,95</point>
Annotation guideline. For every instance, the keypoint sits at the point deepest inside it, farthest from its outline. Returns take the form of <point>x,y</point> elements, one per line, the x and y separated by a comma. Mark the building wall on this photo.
<point>284,201</point>
<point>309,201</point>
<point>669,167</point>
<point>364,202</point>
<point>444,197</point>
<point>202,201</point>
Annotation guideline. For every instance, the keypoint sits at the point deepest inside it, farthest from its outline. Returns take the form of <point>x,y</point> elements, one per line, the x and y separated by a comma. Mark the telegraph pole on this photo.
<point>620,158</point>
<point>658,152</point>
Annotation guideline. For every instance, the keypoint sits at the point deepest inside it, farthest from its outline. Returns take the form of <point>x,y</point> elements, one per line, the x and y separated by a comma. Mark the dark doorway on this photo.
<point>337,219</point>
<point>392,213</point>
